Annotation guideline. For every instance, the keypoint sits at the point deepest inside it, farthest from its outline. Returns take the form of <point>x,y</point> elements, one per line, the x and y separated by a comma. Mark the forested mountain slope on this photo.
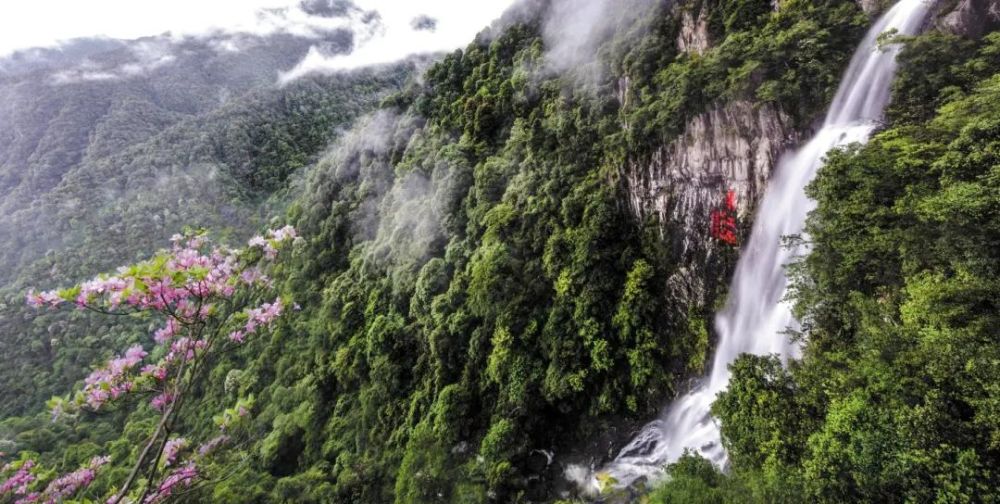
<point>895,398</point>
<point>513,261</point>
<point>99,170</point>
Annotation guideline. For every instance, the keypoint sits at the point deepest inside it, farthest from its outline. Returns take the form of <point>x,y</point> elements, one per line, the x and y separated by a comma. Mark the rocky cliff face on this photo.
<point>970,18</point>
<point>732,148</point>
<point>871,7</point>
<point>694,36</point>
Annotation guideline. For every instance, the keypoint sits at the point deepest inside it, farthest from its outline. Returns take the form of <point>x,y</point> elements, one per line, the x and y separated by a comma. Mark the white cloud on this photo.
<point>458,21</point>
<point>45,23</point>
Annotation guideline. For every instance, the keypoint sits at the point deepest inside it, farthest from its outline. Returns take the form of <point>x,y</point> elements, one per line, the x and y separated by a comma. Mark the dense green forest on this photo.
<point>896,397</point>
<point>474,295</point>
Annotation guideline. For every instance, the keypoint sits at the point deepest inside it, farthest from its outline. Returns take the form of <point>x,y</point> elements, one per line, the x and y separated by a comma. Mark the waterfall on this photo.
<point>755,316</point>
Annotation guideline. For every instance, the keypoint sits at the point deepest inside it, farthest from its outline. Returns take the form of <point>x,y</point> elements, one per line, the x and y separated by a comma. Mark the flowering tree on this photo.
<point>207,299</point>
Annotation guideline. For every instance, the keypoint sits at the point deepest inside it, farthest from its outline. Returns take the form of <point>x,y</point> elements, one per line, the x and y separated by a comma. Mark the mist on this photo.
<point>575,30</point>
<point>398,212</point>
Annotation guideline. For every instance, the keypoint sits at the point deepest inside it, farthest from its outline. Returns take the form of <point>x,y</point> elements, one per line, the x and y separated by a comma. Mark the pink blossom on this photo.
<point>188,285</point>
<point>18,483</point>
<point>212,445</point>
<point>29,499</point>
<point>112,381</point>
<point>168,331</point>
<point>183,476</point>
<point>275,236</point>
<point>172,449</point>
<point>266,314</point>
<point>97,397</point>
<point>100,287</point>
<point>69,484</point>
<point>157,372</point>
<point>252,276</point>
<point>262,316</point>
<point>285,233</point>
<point>97,462</point>
<point>185,347</point>
<point>49,298</point>
<point>189,277</point>
<point>160,402</point>
<point>237,336</point>
<point>134,355</point>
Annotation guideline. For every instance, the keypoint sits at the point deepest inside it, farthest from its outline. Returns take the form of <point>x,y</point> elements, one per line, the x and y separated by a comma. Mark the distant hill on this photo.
<point>109,147</point>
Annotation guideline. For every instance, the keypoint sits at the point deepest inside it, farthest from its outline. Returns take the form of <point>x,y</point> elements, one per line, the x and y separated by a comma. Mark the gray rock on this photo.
<point>871,7</point>
<point>971,18</point>
<point>732,147</point>
<point>693,36</point>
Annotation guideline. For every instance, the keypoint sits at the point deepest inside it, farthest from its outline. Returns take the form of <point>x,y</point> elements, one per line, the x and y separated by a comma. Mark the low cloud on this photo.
<point>28,25</point>
<point>575,30</point>
<point>347,34</point>
<point>330,35</point>
<point>403,29</point>
<point>409,221</point>
<point>144,57</point>
<point>399,215</point>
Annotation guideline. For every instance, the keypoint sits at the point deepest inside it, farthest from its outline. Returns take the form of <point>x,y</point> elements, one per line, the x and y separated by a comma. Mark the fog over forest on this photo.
<point>503,251</point>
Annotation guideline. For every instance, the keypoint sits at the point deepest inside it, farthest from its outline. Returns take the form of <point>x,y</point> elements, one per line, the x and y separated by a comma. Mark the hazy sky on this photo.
<point>34,23</point>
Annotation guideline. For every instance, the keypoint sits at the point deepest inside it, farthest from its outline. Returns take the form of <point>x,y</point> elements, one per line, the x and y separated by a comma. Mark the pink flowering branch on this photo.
<point>18,483</point>
<point>203,293</point>
<point>69,484</point>
<point>183,477</point>
<point>171,449</point>
<point>57,490</point>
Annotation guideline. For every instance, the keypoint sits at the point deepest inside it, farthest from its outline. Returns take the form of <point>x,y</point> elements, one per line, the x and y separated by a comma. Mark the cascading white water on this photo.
<point>755,316</point>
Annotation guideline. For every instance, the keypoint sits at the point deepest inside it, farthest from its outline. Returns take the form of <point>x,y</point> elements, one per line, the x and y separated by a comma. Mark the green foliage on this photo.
<point>933,69</point>
<point>478,278</point>
<point>896,396</point>
<point>793,58</point>
<point>760,411</point>
<point>739,15</point>
<point>692,480</point>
